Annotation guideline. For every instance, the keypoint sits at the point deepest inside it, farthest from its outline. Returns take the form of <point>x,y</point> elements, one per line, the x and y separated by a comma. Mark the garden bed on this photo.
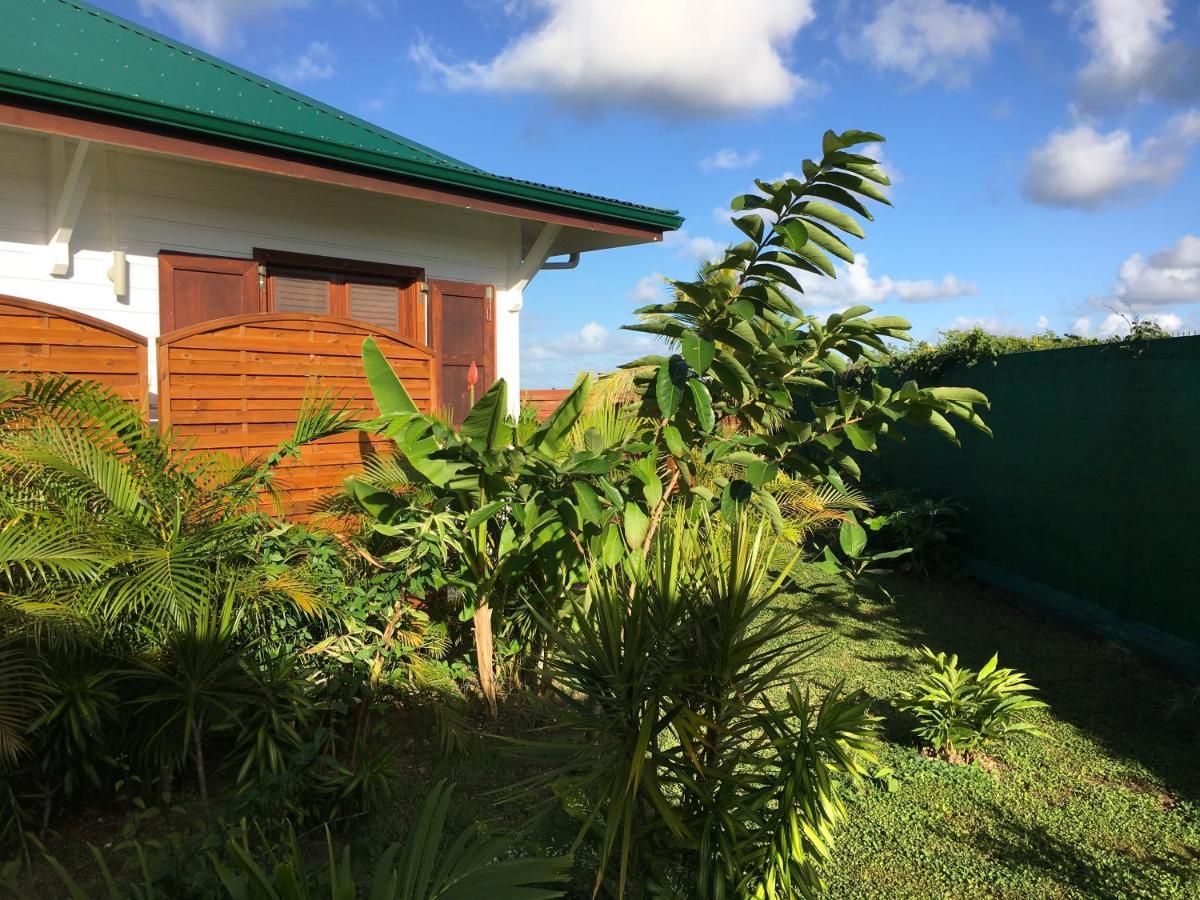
<point>1107,805</point>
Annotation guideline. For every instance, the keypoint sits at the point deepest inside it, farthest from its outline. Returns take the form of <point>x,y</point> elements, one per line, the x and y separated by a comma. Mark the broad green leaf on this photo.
<point>703,403</point>
<point>637,523</point>
<point>488,419</point>
<point>963,394</point>
<point>697,352</point>
<point>481,515</point>
<point>861,438</point>
<point>674,441</point>
<point>826,239</point>
<point>389,393</point>
<point>832,215</point>
<point>383,506</point>
<point>590,508</point>
<point>761,472</point>
<point>547,440</point>
<point>752,226</point>
<point>852,537</point>
<point>667,389</point>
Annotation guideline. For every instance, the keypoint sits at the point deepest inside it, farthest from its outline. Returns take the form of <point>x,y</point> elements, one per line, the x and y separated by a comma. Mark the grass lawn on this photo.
<point>1108,806</point>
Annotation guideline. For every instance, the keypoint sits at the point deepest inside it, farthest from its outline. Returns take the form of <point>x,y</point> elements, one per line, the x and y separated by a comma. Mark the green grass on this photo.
<point>1106,806</point>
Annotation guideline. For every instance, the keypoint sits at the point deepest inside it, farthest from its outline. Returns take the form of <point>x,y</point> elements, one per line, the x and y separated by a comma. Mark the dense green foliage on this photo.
<point>975,346</point>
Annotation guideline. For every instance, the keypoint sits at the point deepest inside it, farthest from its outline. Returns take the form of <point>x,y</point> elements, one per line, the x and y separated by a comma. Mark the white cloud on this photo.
<point>312,65</point>
<point>649,289</point>
<point>855,285</point>
<point>1117,324</point>
<point>216,23</point>
<point>1133,57</point>
<point>554,362</point>
<point>1167,277</point>
<point>696,57</point>
<point>1085,168</point>
<point>688,246</point>
<point>930,40</point>
<point>1043,323</point>
<point>728,158</point>
<point>987,323</point>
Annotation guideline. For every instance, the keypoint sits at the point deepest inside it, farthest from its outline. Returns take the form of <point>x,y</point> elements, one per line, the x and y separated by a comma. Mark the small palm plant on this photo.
<point>961,711</point>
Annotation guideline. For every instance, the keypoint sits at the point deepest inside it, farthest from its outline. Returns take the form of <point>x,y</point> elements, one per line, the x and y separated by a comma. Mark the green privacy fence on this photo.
<point>1087,499</point>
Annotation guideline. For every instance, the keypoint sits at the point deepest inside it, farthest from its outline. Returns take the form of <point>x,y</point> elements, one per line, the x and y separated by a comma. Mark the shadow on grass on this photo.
<point>1014,845</point>
<point>1139,710</point>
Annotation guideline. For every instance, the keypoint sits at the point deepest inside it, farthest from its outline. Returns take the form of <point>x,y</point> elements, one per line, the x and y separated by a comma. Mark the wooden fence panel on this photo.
<point>236,384</point>
<point>544,400</point>
<point>39,337</point>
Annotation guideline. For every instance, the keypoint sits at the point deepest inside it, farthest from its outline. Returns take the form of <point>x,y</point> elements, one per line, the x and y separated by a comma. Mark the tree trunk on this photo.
<point>199,748</point>
<point>483,656</point>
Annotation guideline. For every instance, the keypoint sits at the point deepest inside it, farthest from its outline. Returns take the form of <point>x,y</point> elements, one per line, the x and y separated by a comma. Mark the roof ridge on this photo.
<point>434,157</point>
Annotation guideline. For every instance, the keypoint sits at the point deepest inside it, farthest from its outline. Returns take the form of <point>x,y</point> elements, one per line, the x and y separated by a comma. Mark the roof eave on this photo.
<point>122,107</point>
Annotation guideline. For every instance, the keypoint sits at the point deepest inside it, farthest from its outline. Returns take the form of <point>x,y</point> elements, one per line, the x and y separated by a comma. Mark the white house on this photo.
<point>153,186</point>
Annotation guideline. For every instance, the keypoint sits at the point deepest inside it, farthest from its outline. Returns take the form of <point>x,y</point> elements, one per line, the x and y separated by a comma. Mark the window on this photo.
<point>386,296</point>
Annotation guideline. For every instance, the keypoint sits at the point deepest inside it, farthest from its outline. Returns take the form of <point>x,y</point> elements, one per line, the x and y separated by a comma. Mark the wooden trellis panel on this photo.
<point>236,385</point>
<point>39,337</point>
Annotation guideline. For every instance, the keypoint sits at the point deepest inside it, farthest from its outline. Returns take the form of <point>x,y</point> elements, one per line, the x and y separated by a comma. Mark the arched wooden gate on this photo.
<point>236,385</point>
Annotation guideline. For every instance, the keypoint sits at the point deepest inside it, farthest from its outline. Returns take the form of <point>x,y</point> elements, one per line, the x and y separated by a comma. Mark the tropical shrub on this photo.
<point>961,711</point>
<point>424,866</point>
<point>701,767</point>
<point>927,528</point>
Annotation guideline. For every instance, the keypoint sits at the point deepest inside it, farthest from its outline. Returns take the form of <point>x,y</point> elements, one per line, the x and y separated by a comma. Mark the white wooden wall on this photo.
<point>141,204</point>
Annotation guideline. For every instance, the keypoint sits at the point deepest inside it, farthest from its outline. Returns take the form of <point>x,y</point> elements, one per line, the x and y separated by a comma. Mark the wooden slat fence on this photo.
<point>236,385</point>
<point>545,400</point>
<point>41,338</point>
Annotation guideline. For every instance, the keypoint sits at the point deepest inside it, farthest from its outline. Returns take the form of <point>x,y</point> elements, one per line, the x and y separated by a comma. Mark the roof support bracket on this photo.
<point>534,259</point>
<point>68,187</point>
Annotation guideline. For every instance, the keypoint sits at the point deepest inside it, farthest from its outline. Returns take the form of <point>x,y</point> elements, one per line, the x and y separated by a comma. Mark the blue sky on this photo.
<point>1044,153</point>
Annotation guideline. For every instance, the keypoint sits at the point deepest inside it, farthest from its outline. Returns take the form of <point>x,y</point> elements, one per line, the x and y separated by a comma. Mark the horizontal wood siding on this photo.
<point>236,385</point>
<point>40,338</point>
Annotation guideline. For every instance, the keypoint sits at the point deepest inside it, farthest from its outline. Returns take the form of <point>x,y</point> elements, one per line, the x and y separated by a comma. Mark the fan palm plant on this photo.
<point>107,520</point>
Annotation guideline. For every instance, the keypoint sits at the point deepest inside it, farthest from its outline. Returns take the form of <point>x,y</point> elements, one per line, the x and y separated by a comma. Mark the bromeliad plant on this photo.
<point>519,508</point>
<point>961,711</point>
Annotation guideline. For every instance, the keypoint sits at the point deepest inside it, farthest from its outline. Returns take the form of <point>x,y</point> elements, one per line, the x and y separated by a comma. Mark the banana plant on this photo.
<point>522,505</point>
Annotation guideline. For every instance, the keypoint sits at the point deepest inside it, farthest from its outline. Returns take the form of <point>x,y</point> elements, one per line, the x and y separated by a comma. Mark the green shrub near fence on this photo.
<point>1087,498</point>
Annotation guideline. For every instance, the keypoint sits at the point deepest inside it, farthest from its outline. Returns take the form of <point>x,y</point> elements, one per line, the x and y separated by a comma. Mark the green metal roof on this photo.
<point>69,52</point>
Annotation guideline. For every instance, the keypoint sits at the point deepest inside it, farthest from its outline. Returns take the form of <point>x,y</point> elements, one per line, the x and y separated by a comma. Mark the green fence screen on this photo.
<point>1087,499</point>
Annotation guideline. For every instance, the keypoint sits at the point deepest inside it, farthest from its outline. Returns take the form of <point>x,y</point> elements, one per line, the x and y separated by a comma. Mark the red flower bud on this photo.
<point>472,375</point>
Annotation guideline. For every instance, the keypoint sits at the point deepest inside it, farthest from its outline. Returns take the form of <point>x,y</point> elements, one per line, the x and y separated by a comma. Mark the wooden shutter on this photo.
<point>464,331</point>
<point>293,293</point>
<point>193,289</point>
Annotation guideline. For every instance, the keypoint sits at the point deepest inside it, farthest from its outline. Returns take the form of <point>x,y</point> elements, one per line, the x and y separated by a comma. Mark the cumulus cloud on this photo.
<point>555,361</point>
<point>649,289</point>
<point>216,23</point>
<point>1085,168</point>
<point>1164,278</point>
<point>1117,324</point>
<point>728,158</point>
<point>1133,57</point>
<point>856,285</point>
<point>690,57</point>
<point>696,247</point>
<point>312,65</point>
<point>930,40</point>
